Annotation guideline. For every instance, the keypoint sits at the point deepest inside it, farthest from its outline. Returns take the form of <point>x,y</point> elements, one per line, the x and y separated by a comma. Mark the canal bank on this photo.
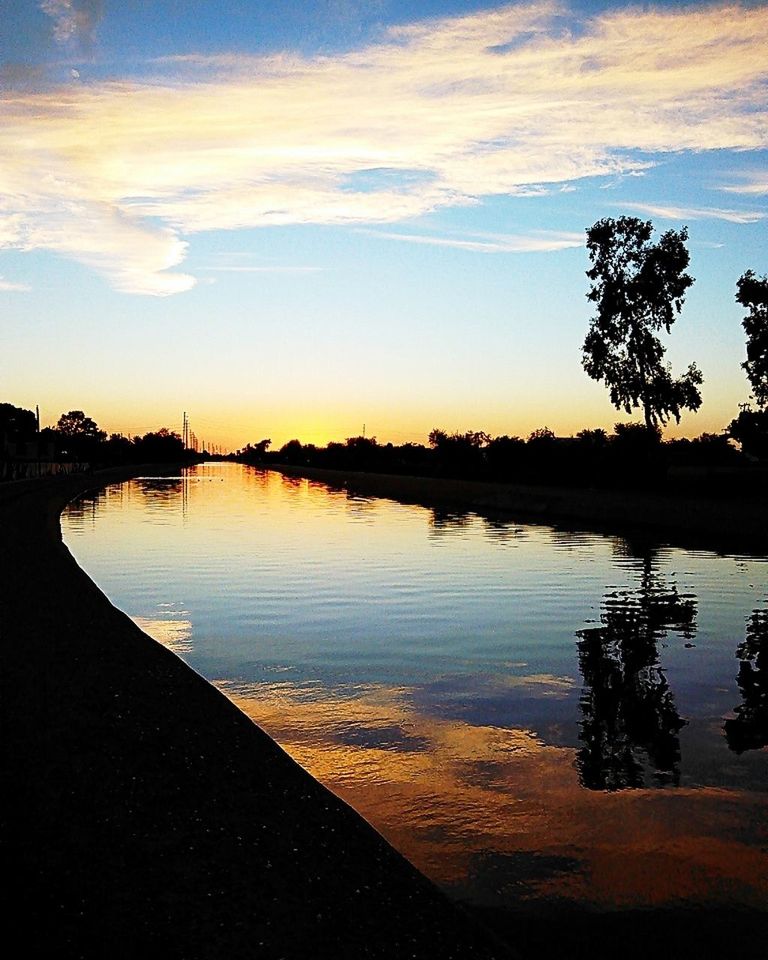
<point>144,811</point>
<point>715,523</point>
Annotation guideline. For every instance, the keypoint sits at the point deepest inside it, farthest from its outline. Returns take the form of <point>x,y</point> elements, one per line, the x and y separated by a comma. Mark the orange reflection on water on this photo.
<point>494,814</point>
<point>174,634</point>
<point>446,793</point>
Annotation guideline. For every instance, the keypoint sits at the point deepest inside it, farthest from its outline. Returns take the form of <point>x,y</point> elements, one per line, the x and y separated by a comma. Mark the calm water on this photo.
<point>531,715</point>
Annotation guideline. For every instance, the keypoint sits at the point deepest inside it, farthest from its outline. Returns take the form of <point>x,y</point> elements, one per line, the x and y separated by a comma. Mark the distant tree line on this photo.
<point>78,438</point>
<point>629,456</point>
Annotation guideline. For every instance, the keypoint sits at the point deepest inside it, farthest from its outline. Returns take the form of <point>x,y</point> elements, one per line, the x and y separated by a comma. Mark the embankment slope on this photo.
<point>143,813</point>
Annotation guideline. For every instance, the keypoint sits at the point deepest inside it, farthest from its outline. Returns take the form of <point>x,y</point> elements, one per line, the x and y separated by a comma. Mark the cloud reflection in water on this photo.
<point>446,793</point>
<point>425,666</point>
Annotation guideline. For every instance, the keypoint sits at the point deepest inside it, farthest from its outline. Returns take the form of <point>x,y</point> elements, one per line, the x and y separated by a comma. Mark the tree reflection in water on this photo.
<point>748,730</point>
<point>158,490</point>
<point>629,719</point>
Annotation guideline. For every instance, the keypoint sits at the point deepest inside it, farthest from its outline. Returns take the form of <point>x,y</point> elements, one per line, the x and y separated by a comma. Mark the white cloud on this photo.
<point>754,184</point>
<point>134,256</point>
<point>696,213</point>
<point>437,114</point>
<point>539,242</point>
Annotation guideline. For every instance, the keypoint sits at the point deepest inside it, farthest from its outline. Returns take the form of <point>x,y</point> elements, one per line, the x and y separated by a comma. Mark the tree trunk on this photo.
<point>648,418</point>
<point>647,409</point>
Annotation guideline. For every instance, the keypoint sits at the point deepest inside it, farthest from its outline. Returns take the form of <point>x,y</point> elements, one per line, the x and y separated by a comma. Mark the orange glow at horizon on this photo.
<point>232,430</point>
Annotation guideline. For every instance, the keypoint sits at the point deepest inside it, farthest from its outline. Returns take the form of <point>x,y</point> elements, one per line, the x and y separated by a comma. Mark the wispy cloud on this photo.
<point>540,242</point>
<point>499,102</point>
<point>272,269</point>
<point>9,285</point>
<point>696,213</point>
<point>74,21</point>
<point>754,183</point>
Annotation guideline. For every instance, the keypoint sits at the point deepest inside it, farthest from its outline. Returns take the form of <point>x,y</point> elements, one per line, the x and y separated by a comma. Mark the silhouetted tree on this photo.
<point>118,449</point>
<point>638,287</point>
<point>596,439</point>
<point>16,423</point>
<point>473,438</point>
<point>587,458</point>
<point>627,706</point>
<point>254,452</point>
<point>636,451</point>
<point>161,446</point>
<point>459,454</point>
<point>362,453</point>
<point>748,730</point>
<point>413,458</point>
<point>334,455</point>
<point>291,452</point>
<point>708,449</point>
<point>544,456</point>
<point>752,292</point>
<point>75,425</point>
<point>79,436</point>
<point>505,456</point>
<point>750,429</point>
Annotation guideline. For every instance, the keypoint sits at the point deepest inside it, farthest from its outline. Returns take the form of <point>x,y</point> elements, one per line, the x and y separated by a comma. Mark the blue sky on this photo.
<point>293,219</point>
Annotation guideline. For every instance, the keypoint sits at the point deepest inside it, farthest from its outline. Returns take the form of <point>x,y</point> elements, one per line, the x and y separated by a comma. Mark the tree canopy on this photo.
<point>16,421</point>
<point>159,445</point>
<point>752,293</point>
<point>76,425</point>
<point>639,288</point>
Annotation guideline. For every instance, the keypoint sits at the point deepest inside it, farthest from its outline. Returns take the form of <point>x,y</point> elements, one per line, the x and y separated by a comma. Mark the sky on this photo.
<point>318,219</point>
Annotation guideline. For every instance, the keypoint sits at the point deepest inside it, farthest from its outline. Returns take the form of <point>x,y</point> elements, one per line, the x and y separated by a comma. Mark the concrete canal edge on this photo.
<point>142,811</point>
<point>690,521</point>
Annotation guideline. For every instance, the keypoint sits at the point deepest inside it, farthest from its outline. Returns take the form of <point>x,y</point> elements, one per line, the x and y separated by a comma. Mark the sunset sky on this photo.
<point>296,218</point>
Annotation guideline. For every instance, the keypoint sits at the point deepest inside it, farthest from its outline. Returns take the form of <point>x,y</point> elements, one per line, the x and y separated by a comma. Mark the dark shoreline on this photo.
<point>708,523</point>
<point>143,811</point>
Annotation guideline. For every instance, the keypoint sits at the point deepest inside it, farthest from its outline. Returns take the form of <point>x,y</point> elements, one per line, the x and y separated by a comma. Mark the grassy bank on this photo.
<point>144,813</point>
